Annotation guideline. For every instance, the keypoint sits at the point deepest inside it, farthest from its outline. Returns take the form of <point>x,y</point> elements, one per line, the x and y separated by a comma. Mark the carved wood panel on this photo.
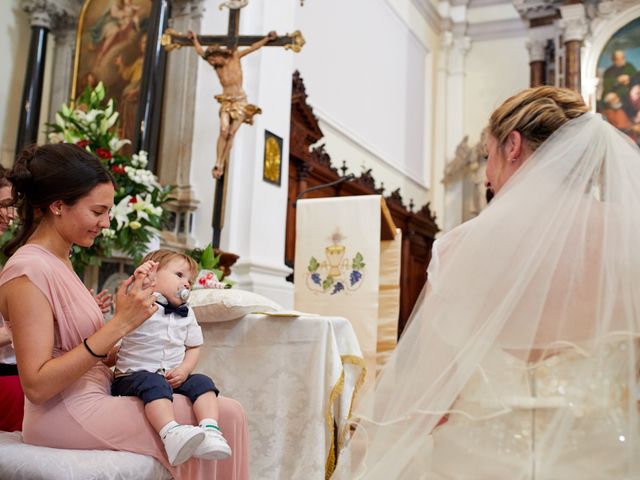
<point>309,167</point>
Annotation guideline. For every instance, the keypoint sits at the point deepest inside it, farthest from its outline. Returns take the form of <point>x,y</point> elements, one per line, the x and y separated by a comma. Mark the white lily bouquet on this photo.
<point>90,122</point>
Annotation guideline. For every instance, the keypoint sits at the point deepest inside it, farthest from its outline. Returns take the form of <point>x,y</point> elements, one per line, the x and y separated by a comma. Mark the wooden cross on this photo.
<point>172,40</point>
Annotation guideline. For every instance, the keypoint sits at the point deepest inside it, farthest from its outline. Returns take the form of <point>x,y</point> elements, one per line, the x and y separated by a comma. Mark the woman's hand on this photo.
<point>135,303</point>
<point>104,300</point>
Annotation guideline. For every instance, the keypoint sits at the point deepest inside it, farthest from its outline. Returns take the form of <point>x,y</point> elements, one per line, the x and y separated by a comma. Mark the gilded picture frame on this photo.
<point>110,44</point>
<point>272,164</point>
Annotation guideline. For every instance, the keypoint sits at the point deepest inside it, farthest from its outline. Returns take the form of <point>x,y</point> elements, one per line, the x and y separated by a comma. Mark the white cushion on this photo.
<point>221,305</point>
<point>19,461</point>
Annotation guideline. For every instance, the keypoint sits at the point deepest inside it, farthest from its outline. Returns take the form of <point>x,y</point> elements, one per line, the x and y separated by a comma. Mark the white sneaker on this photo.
<point>181,442</point>
<point>213,447</point>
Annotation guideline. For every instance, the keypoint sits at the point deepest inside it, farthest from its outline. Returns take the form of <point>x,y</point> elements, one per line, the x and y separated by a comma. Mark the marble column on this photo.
<point>574,29</point>
<point>152,85</point>
<point>64,34</point>
<point>40,19</point>
<point>173,162</point>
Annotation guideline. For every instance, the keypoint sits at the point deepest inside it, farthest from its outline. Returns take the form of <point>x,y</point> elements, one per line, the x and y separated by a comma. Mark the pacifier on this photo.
<point>183,293</point>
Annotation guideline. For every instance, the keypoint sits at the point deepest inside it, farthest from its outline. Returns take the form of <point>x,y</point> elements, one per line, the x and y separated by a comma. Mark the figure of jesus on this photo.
<point>234,107</point>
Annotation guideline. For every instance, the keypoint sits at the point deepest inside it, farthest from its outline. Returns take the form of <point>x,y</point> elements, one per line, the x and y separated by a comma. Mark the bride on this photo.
<point>522,360</point>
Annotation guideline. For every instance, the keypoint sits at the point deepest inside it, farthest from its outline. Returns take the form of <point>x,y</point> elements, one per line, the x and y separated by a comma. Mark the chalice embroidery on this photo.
<point>337,273</point>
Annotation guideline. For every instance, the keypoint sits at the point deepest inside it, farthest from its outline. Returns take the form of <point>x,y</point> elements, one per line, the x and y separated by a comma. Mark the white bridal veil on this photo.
<point>549,271</point>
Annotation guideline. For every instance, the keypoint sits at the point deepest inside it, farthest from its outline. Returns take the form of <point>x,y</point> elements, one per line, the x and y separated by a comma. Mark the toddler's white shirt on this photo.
<point>159,343</point>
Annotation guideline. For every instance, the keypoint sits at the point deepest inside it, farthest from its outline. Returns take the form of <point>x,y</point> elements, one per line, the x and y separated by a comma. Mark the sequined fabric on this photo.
<point>505,421</point>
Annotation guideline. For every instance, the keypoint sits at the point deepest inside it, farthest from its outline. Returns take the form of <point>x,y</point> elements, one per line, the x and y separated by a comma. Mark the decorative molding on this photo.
<point>512,27</point>
<point>248,266</point>
<point>487,3</point>
<point>530,9</point>
<point>429,13</point>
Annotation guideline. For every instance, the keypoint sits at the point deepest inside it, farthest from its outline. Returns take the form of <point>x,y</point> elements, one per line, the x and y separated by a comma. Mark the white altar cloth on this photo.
<point>295,377</point>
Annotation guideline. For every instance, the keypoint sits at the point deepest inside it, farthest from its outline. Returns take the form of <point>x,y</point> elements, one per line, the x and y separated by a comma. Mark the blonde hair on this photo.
<point>536,113</point>
<point>164,256</point>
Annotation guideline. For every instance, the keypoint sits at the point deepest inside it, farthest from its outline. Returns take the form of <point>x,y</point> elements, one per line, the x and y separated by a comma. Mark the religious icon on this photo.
<point>272,167</point>
<point>234,107</point>
<point>112,38</point>
<point>619,73</point>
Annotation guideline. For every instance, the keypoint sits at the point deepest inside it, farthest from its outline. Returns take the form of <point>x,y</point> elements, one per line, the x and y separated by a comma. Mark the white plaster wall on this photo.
<point>370,84</point>
<point>14,38</point>
<point>494,70</point>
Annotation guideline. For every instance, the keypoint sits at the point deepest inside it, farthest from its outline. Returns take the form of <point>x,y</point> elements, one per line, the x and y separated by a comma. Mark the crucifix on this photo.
<point>224,55</point>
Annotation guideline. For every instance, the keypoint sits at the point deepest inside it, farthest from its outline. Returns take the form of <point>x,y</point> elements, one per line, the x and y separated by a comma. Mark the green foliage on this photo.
<point>91,122</point>
<point>208,260</point>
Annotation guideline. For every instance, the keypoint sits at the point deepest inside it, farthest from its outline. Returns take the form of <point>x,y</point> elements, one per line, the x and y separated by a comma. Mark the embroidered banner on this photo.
<point>337,264</point>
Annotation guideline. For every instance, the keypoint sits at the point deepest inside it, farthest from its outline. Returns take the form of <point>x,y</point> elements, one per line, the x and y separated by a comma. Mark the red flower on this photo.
<point>103,153</point>
<point>83,143</point>
<point>133,199</point>
<point>118,168</point>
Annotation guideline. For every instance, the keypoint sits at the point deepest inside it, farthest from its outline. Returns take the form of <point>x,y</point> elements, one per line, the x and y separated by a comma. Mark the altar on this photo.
<point>296,378</point>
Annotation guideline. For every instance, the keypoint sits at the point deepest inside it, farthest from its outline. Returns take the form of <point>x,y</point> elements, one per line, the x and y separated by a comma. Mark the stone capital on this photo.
<point>573,23</point>
<point>54,15</point>
<point>190,8</point>
<point>536,48</point>
<point>41,12</point>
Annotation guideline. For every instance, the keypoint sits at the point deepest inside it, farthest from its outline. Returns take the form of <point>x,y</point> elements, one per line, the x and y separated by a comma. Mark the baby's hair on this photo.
<point>164,256</point>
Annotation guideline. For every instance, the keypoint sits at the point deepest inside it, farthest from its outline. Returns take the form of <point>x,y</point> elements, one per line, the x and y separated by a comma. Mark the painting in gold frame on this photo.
<point>110,44</point>
<point>272,168</point>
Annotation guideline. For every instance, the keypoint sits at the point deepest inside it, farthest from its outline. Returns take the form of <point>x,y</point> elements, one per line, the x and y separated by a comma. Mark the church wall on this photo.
<point>14,36</point>
<point>370,84</point>
<point>495,70</point>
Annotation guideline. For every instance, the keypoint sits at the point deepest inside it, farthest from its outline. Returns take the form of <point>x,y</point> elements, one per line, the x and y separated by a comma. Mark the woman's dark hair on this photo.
<point>44,174</point>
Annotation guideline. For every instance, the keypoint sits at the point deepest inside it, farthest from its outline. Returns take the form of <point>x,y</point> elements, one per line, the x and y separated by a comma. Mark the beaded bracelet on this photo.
<point>92,352</point>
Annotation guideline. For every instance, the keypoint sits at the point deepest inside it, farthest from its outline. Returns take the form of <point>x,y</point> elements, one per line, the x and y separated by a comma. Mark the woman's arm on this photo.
<point>32,326</point>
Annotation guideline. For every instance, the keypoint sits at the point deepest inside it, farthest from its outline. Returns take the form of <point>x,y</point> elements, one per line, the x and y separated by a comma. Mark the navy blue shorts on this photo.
<point>150,386</point>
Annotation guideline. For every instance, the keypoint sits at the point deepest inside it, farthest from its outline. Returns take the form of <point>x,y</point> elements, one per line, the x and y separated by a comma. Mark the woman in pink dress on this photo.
<point>64,196</point>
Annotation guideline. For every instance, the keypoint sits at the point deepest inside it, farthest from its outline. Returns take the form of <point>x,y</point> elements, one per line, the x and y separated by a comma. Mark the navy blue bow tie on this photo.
<point>182,310</point>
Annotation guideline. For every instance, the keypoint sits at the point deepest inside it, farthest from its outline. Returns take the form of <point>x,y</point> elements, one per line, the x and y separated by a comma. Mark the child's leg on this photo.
<point>159,413</point>
<point>180,441</point>
<point>203,394</point>
<point>206,406</point>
